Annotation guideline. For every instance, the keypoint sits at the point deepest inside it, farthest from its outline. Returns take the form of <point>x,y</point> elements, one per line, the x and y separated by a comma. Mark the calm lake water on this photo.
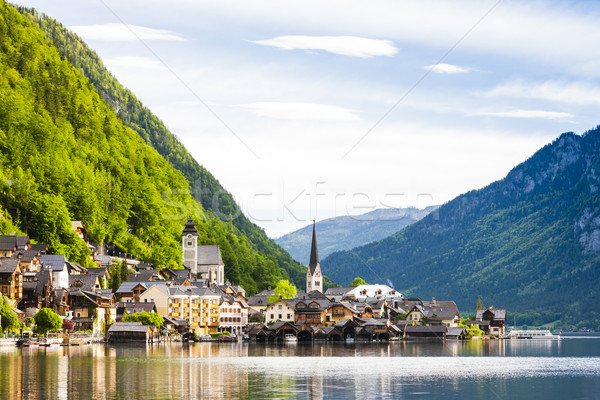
<point>567,369</point>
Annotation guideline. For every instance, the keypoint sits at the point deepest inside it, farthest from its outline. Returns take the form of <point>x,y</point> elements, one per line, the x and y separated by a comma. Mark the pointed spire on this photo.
<point>314,253</point>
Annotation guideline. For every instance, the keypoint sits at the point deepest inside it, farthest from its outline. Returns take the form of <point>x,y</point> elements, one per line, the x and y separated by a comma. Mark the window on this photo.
<point>190,243</point>
<point>289,316</point>
<point>280,317</point>
<point>280,307</point>
<point>272,316</point>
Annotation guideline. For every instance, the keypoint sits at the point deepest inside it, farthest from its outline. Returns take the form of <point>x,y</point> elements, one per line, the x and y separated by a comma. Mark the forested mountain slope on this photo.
<point>529,242</point>
<point>349,231</point>
<point>66,155</point>
<point>139,118</point>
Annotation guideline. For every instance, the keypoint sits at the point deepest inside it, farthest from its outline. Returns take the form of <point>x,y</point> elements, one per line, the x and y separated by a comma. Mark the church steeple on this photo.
<point>314,252</point>
<point>314,280</point>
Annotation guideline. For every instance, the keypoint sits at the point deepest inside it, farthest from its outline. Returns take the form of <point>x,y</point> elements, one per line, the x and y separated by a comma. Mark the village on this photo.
<point>196,303</point>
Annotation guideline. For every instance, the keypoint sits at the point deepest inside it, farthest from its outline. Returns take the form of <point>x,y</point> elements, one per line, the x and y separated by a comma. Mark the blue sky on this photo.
<point>311,109</point>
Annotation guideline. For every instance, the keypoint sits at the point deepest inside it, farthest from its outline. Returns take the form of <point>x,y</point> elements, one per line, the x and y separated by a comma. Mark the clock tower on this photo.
<point>189,246</point>
<point>314,278</point>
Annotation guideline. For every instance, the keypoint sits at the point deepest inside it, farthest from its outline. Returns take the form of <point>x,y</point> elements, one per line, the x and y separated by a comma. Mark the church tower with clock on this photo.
<point>314,278</point>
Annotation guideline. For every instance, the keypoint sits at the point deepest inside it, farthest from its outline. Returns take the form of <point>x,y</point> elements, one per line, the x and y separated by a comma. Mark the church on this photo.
<point>314,278</point>
<point>204,260</point>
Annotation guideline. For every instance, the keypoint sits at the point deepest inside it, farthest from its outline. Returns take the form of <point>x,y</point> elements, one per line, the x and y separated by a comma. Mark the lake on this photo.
<point>523,369</point>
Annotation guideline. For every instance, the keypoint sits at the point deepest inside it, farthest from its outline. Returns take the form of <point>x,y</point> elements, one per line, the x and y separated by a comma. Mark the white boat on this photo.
<point>532,334</point>
<point>290,338</point>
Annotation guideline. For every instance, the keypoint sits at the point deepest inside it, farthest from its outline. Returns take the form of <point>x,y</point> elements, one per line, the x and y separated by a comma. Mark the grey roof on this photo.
<point>266,292</point>
<point>41,247</point>
<point>145,274</point>
<point>8,243</point>
<point>425,329</point>
<point>97,271</point>
<point>323,304</point>
<point>83,282</point>
<point>209,255</point>
<point>128,327</point>
<point>8,265</point>
<point>258,300</point>
<point>127,287</point>
<point>76,267</point>
<point>456,331</point>
<point>22,242</point>
<point>279,324</point>
<point>27,256</point>
<point>104,259</point>
<point>499,313</point>
<point>337,291</point>
<point>57,262</point>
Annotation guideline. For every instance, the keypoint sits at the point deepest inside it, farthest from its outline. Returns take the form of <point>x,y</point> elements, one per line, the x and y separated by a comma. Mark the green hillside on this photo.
<point>66,155</point>
<point>529,242</point>
<point>205,187</point>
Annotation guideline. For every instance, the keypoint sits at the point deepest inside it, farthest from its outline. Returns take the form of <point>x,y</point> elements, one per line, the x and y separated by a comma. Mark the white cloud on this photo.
<point>300,111</point>
<point>574,92</point>
<point>134,62</point>
<point>554,115</point>
<point>446,69</point>
<point>343,45</point>
<point>113,32</point>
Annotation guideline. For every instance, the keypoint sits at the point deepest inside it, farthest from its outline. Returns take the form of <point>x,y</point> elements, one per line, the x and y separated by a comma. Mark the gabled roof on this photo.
<point>57,262</point>
<point>456,331</point>
<point>71,266</point>
<point>103,259</point>
<point>135,307</point>
<point>337,291</point>
<point>146,275</point>
<point>41,247</point>
<point>8,265</point>
<point>129,327</point>
<point>258,300</point>
<point>8,243</point>
<point>84,282</point>
<point>499,314</point>
<point>27,256</point>
<point>209,255</point>
<point>127,287</point>
<point>425,329</point>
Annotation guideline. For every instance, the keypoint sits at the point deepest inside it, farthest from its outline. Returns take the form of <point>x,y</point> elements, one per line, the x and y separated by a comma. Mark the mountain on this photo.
<point>67,155</point>
<point>347,232</point>
<point>204,186</point>
<point>529,242</point>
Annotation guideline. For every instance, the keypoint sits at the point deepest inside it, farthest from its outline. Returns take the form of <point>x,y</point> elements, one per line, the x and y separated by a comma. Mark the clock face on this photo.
<point>189,236</point>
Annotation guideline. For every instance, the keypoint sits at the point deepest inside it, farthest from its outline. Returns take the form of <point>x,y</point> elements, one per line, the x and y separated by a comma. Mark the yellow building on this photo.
<point>199,307</point>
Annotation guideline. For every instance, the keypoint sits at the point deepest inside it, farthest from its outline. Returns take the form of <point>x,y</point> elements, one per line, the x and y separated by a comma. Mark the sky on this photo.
<point>308,109</point>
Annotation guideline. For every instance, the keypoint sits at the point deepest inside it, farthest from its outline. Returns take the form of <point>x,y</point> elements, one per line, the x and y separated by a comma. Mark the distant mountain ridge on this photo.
<point>348,231</point>
<point>529,242</point>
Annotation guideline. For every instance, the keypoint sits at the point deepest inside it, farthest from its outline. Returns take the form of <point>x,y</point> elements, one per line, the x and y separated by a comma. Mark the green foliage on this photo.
<point>524,243</point>
<point>479,304</point>
<point>145,318</point>
<point>47,320</point>
<point>284,289</point>
<point>10,320</point>
<point>115,277</point>
<point>124,272</point>
<point>357,282</point>
<point>251,258</point>
<point>70,156</point>
<point>402,316</point>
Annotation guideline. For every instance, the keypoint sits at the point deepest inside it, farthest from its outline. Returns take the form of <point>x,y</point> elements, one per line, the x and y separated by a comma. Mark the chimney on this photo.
<point>405,301</point>
<point>433,300</point>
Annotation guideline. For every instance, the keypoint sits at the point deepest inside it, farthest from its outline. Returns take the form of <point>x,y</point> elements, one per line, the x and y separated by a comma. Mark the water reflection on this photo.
<point>309,371</point>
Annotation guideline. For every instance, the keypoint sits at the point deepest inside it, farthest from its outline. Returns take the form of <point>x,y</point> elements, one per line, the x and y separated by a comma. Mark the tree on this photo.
<point>284,289</point>
<point>145,318</point>
<point>47,320</point>
<point>124,272</point>
<point>357,282</point>
<point>479,304</point>
<point>115,277</point>
<point>10,320</point>
<point>67,325</point>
